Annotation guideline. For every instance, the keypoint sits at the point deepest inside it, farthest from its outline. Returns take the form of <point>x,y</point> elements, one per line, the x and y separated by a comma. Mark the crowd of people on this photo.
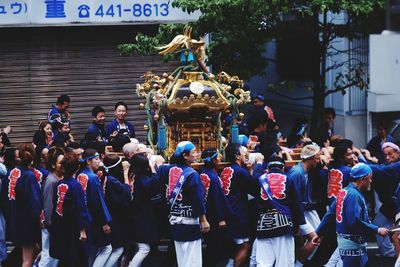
<point>68,203</point>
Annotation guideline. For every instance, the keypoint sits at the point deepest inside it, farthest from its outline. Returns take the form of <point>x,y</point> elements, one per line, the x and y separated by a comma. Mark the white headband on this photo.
<point>114,165</point>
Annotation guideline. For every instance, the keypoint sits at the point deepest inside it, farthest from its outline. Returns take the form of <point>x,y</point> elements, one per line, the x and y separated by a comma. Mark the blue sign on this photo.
<point>59,12</point>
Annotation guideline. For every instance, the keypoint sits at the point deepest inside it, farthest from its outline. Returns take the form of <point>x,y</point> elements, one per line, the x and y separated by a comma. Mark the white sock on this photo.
<point>298,264</point>
<point>230,263</point>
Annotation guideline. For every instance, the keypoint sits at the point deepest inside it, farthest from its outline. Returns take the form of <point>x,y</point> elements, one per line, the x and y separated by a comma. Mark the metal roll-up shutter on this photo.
<point>39,64</point>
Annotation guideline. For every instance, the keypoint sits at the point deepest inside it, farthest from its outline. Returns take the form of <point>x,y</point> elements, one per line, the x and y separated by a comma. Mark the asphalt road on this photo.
<point>159,258</point>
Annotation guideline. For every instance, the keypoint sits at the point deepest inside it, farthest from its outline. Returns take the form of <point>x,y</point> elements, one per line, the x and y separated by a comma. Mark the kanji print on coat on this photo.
<point>174,175</point>
<point>83,181</point>
<point>226,177</point>
<point>335,183</point>
<point>38,175</point>
<point>131,181</point>
<point>339,205</point>
<point>276,183</point>
<point>205,179</point>
<point>270,113</point>
<point>62,190</point>
<point>15,174</point>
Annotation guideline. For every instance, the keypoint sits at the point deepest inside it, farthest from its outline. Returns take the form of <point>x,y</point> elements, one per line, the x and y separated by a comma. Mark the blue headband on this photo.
<point>302,130</point>
<point>275,163</point>
<point>360,170</point>
<point>208,159</point>
<point>90,157</point>
<point>183,147</point>
<point>260,97</point>
<point>243,139</point>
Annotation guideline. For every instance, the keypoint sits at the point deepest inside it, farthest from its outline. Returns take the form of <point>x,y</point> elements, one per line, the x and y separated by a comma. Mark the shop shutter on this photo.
<point>39,64</point>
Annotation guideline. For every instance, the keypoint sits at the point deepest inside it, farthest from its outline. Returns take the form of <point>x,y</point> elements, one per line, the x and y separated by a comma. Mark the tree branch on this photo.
<point>338,89</point>
<point>335,66</point>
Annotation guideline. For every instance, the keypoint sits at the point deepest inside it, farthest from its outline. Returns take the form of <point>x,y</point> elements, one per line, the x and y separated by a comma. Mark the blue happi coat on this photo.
<point>303,183</point>
<point>118,197</point>
<point>114,126</point>
<point>69,217</point>
<point>99,131</point>
<point>217,207</point>
<point>24,206</point>
<point>385,180</point>
<point>277,216</point>
<point>97,207</point>
<point>338,178</point>
<point>236,184</point>
<point>40,174</point>
<point>189,204</point>
<point>352,224</point>
<point>146,193</point>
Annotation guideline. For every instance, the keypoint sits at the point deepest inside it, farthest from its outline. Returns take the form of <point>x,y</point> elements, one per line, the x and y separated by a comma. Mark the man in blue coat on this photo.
<point>59,112</point>
<point>385,186</point>
<point>119,123</point>
<point>279,215</point>
<point>352,222</point>
<point>299,175</point>
<point>96,131</point>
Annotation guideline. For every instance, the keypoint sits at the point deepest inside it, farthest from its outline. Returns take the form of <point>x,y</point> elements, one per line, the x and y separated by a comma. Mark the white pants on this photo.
<point>397,264</point>
<point>253,258</point>
<point>335,260</point>
<point>312,222</point>
<point>188,254</point>
<point>231,263</point>
<point>114,256</point>
<point>100,256</point>
<point>274,252</point>
<point>45,259</point>
<point>141,254</point>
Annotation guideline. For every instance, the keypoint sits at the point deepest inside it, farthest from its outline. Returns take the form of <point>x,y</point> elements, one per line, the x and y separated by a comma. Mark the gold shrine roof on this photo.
<point>194,93</point>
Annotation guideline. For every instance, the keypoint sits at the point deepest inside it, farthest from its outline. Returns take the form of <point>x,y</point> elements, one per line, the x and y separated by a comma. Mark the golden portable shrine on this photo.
<point>188,104</point>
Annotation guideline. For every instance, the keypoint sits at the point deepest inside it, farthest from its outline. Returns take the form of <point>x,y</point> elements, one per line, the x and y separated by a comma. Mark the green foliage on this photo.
<point>146,45</point>
<point>240,28</point>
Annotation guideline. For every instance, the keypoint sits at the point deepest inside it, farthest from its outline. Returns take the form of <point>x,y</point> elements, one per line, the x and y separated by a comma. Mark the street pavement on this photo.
<point>158,257</point>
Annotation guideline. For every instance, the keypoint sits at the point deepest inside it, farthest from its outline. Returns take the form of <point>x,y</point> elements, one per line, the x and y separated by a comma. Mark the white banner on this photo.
<point>48,12</point>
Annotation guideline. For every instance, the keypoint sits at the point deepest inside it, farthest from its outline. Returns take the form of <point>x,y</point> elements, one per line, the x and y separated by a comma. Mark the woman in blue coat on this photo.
<point>117,192</point>
<point>187,217</point>
<point>217,208</point>
<point>70,217</point>
<point>99,234</point>
<point>142,214</point>
<point>26,205</point>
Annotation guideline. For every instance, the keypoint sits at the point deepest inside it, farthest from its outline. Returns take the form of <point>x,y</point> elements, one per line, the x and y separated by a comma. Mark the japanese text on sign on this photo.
<point>90,11</point>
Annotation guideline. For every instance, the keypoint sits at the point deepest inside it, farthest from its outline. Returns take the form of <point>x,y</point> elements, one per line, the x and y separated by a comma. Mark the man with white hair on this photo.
<point>299,175</point>
<point>391,152</point>
<point>385,186</point>
<point>130,149</point>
